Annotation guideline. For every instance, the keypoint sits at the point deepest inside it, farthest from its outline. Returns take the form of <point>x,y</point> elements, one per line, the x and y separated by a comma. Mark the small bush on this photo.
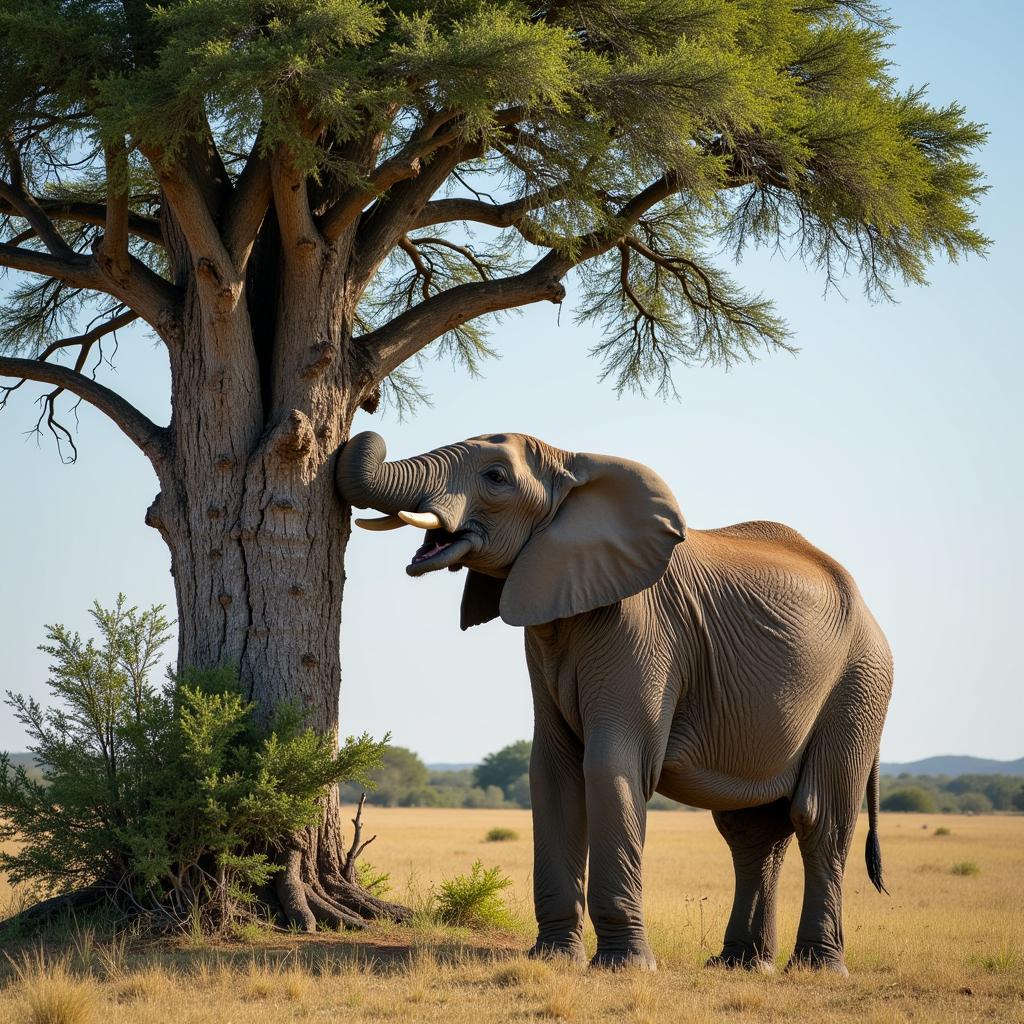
<point>966,868</point>
<point>474,900</point>
<point>943,831</point>
<point>176,795</point>
<point>501,835</point>
<point>373,881</point>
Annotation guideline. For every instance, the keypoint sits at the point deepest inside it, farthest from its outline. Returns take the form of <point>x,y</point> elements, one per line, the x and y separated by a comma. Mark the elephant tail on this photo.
<point>872,851</point>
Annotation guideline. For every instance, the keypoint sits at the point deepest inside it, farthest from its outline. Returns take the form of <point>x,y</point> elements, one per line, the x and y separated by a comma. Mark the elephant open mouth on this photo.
<point>439,550</point>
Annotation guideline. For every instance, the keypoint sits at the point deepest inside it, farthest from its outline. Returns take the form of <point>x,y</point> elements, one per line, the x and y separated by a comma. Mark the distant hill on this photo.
<point>954,764</point>
<point>446,766</point>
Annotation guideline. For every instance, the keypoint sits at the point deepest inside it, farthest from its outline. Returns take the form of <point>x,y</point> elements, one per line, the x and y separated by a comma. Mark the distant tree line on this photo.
<point>502,780</point>
<point>962,794</point>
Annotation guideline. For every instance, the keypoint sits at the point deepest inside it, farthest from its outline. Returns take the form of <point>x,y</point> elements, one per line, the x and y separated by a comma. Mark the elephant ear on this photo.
<point>481,597</point>
<point>611,537</point>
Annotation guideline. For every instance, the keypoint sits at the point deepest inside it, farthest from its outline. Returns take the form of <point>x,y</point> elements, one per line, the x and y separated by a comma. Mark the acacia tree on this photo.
<point>298,197</point>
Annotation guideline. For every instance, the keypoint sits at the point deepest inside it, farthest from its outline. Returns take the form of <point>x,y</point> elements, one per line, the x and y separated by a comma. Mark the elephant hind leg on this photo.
<point>826,804</point>
<point>757,838</point>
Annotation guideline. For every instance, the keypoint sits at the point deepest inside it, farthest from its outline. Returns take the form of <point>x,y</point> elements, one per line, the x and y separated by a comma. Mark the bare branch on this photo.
<point>146,228</point>
<point>149,437</point>
<point>93,335</point>
<point>499,215</point>
<point>463,250</point>
<point>25,204</point>
<point>75,269</point>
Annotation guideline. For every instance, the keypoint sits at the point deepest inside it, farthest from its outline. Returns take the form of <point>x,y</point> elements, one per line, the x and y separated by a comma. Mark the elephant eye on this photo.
<point>497,475</point>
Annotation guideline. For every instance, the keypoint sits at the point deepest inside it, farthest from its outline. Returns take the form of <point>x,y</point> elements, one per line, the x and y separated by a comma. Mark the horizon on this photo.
<point>888,441</point>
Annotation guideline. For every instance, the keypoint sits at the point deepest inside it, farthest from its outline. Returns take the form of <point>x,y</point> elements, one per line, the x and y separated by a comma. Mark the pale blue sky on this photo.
<point>892,440</point>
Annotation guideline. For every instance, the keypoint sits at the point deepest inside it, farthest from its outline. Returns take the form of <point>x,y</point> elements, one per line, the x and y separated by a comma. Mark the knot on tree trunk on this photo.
<point>293,439</point>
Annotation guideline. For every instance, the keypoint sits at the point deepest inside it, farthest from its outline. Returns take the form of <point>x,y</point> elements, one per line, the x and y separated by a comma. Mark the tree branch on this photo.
<point>248,206</point>
<point>146,228</point>
<point>183,191</point>
<point>149,437</point>
<point>74,268</point>
<point>115,234</point>
<point>411,331</point>
<point>404,164</point>
<point>150,295</point>
<point>498,215</point>
<point>395,342</point>
<point>23,202</point>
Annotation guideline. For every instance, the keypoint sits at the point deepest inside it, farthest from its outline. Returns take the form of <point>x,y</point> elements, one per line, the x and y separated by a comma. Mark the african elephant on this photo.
<point>735,669</point>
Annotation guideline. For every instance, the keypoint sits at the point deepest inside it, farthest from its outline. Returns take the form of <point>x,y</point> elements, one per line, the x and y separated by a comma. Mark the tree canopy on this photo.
<point>458,158</point>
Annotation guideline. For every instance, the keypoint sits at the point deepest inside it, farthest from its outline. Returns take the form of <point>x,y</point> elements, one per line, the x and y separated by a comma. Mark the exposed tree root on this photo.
<point>319,882</point>
<point>42,913</point>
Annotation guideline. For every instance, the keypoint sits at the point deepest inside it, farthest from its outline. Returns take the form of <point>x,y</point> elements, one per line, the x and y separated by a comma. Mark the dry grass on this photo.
<point>944,947</point>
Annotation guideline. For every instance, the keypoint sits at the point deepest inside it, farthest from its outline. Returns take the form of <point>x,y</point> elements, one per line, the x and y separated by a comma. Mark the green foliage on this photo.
<point>974,803</point>
<point>973,793</point>
<point>942,831</point>
<point>474,900</point>
<point>501,835</point>
<point>910,798</point>
<point>399,773</point>
<point>504,767</point>
<point>775,124</point>
<point>966,868</point>
<point>175,798</point>
<point>377,883</point>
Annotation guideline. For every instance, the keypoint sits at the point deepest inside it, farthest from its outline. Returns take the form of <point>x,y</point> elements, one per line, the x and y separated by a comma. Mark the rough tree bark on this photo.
<point>264,395</point>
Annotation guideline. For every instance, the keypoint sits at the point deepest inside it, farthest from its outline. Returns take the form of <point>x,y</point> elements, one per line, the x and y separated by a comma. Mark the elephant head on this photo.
<point>545,533</point>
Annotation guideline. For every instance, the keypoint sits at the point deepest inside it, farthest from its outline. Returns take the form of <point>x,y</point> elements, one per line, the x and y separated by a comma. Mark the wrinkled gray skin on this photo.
<point>735,669</point>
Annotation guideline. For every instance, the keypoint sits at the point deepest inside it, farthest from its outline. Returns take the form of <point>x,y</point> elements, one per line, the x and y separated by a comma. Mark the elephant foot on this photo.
<point>814,958</point>
<point>636,956</point>
<point>733,958</point>
<point>568,949</point>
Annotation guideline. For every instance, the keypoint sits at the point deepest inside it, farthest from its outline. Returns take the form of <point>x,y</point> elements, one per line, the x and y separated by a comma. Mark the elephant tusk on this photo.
<point>424,520</point>
<point>383,523</point>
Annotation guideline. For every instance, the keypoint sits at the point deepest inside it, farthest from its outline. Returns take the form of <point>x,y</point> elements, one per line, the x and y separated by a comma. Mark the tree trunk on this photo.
<point>257,534</point>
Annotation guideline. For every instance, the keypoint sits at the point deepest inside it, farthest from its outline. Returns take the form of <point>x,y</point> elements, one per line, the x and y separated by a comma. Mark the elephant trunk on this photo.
<point>365,480</point>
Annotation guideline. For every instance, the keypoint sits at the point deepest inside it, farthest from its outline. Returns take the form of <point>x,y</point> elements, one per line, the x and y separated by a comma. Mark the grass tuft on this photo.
<point>522,973</point>
<point>943,831</point>
<point>501,835</point>
<point>51,994</point>
<point>565,998</point>
<point>966,868</point>
<point>474,900</point>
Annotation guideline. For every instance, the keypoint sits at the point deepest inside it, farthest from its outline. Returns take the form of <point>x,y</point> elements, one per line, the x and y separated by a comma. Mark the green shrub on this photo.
<point>377,883</point>
<point>501,835</point>
<point>910,798</point>
<point>474,900</point>
<point>966,868</point>
<point>974,803</point>
<point>174,797</point>
<point>943,831</point>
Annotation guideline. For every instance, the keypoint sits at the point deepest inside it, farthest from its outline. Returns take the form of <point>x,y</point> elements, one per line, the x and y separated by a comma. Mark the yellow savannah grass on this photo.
<point>943,947</point>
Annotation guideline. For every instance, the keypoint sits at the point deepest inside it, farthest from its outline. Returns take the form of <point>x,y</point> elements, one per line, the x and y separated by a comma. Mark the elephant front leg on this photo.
<point>559,835</point>
<point>617,823</point>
